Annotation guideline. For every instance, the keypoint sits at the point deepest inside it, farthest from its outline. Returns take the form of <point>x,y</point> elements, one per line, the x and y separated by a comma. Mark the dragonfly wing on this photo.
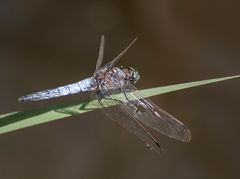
<point>101,53</point>
<point>116,59</point>
<point>119,113</point>
<point>144,110</point>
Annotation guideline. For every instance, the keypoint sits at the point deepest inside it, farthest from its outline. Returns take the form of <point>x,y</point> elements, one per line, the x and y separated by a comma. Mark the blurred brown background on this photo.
<point>45,44</point>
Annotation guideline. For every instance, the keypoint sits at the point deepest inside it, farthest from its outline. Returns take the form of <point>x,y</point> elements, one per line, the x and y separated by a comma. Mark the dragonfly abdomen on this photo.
<point>84,85</point>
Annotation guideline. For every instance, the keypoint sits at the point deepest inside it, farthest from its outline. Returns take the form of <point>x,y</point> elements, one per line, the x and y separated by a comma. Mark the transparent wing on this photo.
<point>144,110</point>
<point>119,113</point>
<point>101,53</point>
<point>116,59</point>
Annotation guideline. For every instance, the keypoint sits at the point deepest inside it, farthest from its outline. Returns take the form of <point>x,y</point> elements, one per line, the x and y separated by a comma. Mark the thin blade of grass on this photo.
<point>21,119</point>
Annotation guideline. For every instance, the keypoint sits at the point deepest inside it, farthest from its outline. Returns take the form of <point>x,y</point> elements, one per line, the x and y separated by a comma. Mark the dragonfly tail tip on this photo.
<point>21,99</point>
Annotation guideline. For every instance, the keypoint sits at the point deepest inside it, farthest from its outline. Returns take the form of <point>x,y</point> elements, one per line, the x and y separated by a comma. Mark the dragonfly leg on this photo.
<point>99,95</point>
<point>125,94</point>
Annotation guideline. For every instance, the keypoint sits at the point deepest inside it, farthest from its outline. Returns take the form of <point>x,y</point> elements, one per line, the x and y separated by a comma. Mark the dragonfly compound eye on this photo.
<point>134,75</point>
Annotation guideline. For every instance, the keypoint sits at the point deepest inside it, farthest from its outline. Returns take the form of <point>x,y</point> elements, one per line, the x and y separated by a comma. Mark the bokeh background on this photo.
<point>47,43</point>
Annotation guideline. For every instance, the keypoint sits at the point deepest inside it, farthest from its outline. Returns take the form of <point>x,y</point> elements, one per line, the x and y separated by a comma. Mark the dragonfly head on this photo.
<point>133,75</point>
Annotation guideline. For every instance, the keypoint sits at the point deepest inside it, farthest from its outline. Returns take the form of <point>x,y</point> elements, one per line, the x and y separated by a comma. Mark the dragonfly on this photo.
<point>132,110</point>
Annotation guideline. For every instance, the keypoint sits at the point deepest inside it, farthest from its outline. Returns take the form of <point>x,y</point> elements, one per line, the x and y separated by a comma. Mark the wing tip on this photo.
<point>187,136</point>
<point>160,149</point>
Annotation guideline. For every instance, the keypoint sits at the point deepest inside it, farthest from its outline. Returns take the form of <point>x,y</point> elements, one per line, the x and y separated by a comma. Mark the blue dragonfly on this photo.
<point>132,110</point>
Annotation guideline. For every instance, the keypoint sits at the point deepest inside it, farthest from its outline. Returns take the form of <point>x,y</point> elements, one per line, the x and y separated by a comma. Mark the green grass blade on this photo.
<point>18,120</point>
<point>171,88</point>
